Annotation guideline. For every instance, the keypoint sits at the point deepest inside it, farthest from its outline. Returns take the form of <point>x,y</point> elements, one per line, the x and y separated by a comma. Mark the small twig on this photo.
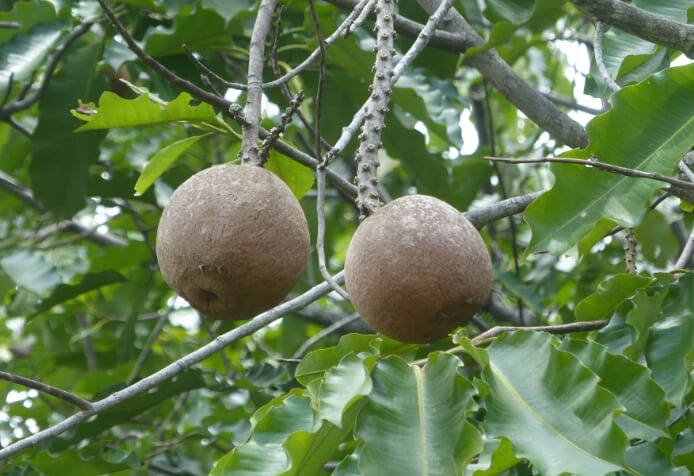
<point>254,94</point>
<point>271,139</point>
<point>222,354</point>
<point>10,24</point>
<point>320,234</point>
<point>211,74</point>
<point>144,353</point>
<point>600,29</point>
<point>45,388</point>
<point>573,104</point>
<point>582,326</point>
<point>135,217</point>
<point>686,255</point>
<point>630,251</point>
<point>363,15</point>
<point>89,353</point>
<point>324,333</point>
<point>600,165</point>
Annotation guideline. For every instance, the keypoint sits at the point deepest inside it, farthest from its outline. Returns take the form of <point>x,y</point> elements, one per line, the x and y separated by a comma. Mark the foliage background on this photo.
<point>83,306</point>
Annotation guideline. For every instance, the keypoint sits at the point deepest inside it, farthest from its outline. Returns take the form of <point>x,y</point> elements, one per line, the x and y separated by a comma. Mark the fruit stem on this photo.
<point>376,109</point>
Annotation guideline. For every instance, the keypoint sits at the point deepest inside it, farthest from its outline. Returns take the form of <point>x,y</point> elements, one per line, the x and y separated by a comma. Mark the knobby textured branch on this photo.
<point>617,169</point>
<point>630,252</point>
<point>644,24</point>
<point>45,388</point>
<point>254,96</point>
<point>376,109</point>
<point>173,369</point>
<point>271,139</point>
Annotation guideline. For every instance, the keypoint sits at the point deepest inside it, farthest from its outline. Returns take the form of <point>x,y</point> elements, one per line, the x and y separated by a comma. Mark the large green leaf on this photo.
<point>25,53</point>
<point>647,411</point>
<point>649,459</point>
<point>669,353</point>
<point>298,177</point>
<point>115,111</point>
<point>60,159</point>
<point>31,271</point>
<point>649,128</point>
<point>415,420</point>
<point>28,14</point>
<point>551,407</point>
<point>90,282</point>
<point>67,461</point>
<point>645,311</point>
<point>609,295</point>
<point>496,457</point>
<point>162,160</point>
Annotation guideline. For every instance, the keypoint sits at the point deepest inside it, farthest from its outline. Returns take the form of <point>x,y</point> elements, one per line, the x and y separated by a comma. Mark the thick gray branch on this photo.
<point>641,23</point>
<point>256,59</point>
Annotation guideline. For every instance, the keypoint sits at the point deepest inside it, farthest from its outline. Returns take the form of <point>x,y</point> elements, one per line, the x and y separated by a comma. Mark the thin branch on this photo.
<point>89,353</point>
<point>144,353</point>
<point>10,24</point>
<point>649,26</point>
<point>686,255</point>
<point>600,165</point>
<point>320,234</point>
<point>324,333</point>
<point>600,29</point>
<point>582,326</point>
<point>363,15</point>
<point>211,74</point>
<point>45,388</point>
<point>11,185</point>
<point>271,139</point>
<point>222,354</point>
<point>254,95</point>
<point>573,104</point>
<point>175,368</point>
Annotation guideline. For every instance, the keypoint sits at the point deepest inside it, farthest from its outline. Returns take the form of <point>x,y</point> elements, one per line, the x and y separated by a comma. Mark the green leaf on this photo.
<point>647,411</point>
<point>342,386</point>
<point>69,460</point>
<point>500,32</point>
<point>669,354</point>
<point>514,11</point>
<point>658,243</point>
<point>25,53</point>
<point>609,295</point>
<point>59,167</point>
<point>28,14</point>
<point>251,459</point>
<point>649,459</point>
<point>298,177</point>
<point>649,128</point>
<point>115,111</point>
<point>496,457</point>
<point>645,311</point>
<point>527,293</point>
<point>551,407</point>
<point>426,409</point>
<point>31,271</point>
<point>90,282</point>
<point>316,363</point>
<point>162,160</point>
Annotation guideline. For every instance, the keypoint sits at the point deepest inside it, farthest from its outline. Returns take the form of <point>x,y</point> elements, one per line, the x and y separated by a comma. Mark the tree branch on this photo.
<point>45,388</point>
<point>256,59</point>
<point>602,166</point>
<point>654,28</point>
<point>581,326</point>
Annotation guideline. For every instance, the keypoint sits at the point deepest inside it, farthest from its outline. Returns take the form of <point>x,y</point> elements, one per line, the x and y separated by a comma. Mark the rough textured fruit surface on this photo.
<point>233,241</point>
<point>417,268</point>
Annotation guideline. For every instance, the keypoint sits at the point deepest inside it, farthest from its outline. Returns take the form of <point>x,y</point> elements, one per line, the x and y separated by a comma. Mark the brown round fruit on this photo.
<point>417,269</point>
<point>233,241</point>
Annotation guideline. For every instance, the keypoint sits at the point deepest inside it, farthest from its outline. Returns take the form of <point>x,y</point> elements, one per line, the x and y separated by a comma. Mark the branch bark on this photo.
<point>641,23</point>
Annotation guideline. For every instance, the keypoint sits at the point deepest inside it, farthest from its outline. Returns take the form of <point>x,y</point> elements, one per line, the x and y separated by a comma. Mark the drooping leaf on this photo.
<point>649,459</point>
<point>162,160</point>
<point>551,407</point>
<point>426,409</point>
<point>67,461</point>
<point>90,282</point>
<point>298,177</point>
<point>24,53</point>
<point>59,167</point>
<point>496,457</point>
<point>647,412</point>
<point>609,295</point>
<point>115,111</point>
<point>649,128</point>
<point>31,271</point>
